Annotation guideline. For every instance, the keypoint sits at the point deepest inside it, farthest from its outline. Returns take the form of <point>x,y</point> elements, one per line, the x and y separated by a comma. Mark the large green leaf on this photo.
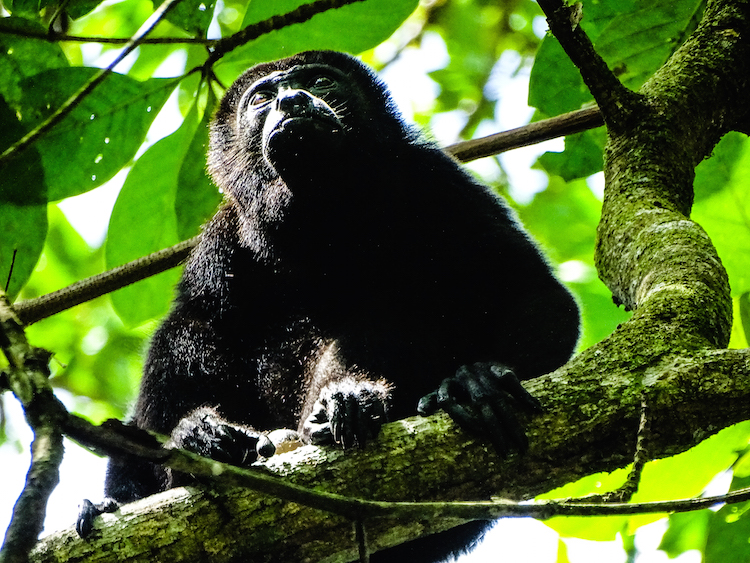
<point>100,136</point>
<point>23,57</point>
<point>24,229</point>
<point>725,213</point>
<point>194,16</point>
<point>144,221</point>
<point>23,208</point>
<point>352,28</point>
<point>196,197</point>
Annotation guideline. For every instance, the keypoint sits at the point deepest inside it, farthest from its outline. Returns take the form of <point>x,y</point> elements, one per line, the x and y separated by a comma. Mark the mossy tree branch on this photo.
<point>589,425</point>
<point>27,378</point>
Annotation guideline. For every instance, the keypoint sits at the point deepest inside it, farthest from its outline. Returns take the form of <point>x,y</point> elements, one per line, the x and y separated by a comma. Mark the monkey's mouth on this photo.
<point>308,137</point>
<point>310,124</point>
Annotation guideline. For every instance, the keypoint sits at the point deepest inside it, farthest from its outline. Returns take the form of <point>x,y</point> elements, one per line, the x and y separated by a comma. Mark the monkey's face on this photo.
<point>288,125</point>
<point>297,113</point>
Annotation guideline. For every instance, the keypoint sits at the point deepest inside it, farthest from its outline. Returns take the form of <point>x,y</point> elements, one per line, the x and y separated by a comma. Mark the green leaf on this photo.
<point>744,303</point>
<point>662,479</point>
<point>194,16</point>
<point>352,28</point>
<point>28,8</point>
<point>638,41</point>
<point>728,533</point>
<point>80,8</point>
<point>555,86</point>
<point>144,221</point>
<point>687,530</point>
<point>21,175</point>
<point>23,208</point>
<point>100,136</point>
<point>24,229</point>
<point>715,172</point>
<point>24,57</point>
<point>724,215</point>
<point>196,197</point>
<point>582,156</point>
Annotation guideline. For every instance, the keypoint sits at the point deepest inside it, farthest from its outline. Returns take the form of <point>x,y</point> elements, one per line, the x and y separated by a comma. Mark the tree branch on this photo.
<point>613,98</point>
<point>33,310</point>
<point>645,239</point>
<point>598,408</point>
<point>552,128</point>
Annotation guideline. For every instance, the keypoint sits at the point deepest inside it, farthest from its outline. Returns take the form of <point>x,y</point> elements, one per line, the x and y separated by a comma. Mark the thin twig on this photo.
<point>27,377</point>
<point>54,37</point>
<point>533,133</point>
<point>33,310</point>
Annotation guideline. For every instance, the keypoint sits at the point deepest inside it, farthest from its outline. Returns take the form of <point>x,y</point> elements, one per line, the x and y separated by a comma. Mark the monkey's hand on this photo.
<point>481,398</point>
<point>87,511</point>
<point>205,432</point>
<point>348,412</point>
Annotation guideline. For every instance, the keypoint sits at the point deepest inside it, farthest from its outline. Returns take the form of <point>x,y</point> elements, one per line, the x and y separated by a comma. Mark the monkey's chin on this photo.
<point>297,140</point>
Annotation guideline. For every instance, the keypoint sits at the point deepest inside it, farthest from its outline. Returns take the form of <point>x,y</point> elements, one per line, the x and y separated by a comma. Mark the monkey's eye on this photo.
<point>261,97</point>
<point>322,82</point>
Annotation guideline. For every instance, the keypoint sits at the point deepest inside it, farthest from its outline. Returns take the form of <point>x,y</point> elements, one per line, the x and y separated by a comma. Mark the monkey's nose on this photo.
<point>294,102</point>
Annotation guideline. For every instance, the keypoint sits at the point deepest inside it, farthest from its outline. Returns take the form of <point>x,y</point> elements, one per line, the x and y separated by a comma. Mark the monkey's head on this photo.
<point>298,117</point>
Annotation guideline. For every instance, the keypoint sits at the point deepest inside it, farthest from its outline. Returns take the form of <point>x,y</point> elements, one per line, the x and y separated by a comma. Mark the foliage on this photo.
<point>147,122</point>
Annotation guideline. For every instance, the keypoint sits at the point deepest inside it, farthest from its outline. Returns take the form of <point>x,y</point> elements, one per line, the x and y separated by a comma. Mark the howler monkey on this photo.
<point>354,272</point>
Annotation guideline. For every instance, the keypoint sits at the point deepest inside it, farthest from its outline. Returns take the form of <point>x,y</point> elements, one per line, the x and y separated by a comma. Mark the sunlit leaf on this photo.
<point>144,221</point>
<point>22,57</point>
<point>197,197</point>
<point>687,530</point>
<point>662,479</point>
<point>194,16</point>
<point>352,28</point>
<point>100,135</point>
<point>725,215</point>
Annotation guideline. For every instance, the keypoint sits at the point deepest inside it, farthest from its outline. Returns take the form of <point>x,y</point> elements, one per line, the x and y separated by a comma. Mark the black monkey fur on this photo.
<point>354,272</point>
